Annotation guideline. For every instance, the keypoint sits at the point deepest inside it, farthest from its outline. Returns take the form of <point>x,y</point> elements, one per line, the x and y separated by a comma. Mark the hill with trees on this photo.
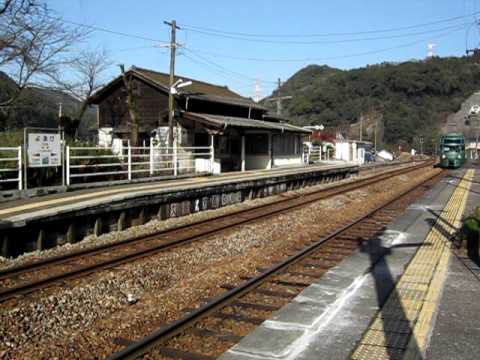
<point>411,99</point>
<point>39,107</point>
<point>41,66</point>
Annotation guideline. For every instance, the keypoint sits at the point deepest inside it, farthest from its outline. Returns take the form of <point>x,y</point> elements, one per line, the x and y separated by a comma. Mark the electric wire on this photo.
<point>409,27</point>
<point>226,75</point>
<point>310,59</point>
<point>319,42</point>
<point>223,68</point>
<point>105,30</point>
<point>229,74</point>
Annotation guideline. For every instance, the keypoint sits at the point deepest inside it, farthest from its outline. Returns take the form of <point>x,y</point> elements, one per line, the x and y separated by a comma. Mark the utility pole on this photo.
<point>171,104</point>
<point>258,90</point>
<point>278,99</point>
<point>361,127</point>
<point>375,135</point>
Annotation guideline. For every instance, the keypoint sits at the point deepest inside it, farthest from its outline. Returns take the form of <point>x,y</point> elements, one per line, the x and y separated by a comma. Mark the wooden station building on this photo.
<point>245,136</point>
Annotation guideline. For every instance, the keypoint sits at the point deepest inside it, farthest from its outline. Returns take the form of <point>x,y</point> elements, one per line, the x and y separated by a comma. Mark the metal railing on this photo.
<point>135,162</point>
<point>314,154</point>
<point>11,166</point>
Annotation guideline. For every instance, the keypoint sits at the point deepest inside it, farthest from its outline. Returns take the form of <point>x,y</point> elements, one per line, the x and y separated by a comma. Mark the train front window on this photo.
<point>457,148</point>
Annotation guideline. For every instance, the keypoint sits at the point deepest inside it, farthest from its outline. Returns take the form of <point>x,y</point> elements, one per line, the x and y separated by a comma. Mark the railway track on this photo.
<point>208,331</point>
<point>38,275</point>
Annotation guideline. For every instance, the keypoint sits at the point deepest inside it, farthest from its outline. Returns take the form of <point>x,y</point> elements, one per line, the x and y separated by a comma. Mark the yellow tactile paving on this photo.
<point>402,326</point>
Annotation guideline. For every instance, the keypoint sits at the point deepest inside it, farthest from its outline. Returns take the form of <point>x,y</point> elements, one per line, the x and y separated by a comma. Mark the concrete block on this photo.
<point>40,244</point>
<point>357,263</point>
<point>320,293</point>
<point>4,246</point>
<point>71,236</point>
<point>98,227</point>
<point>272,343</point>
<point>302,312</point>
<point>334,279</point>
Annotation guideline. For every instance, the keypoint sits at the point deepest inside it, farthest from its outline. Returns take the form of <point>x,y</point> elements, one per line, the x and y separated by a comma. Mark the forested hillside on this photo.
<point>39,108</point>
<point>412,98</point>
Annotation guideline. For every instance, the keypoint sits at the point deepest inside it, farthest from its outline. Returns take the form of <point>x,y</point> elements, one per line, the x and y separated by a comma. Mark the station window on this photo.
<point>286,145</point>
<point>256,144</point>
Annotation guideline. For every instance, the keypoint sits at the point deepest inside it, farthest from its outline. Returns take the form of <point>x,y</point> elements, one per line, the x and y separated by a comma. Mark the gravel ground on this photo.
<point>82,320</point>
<point>154,226</point>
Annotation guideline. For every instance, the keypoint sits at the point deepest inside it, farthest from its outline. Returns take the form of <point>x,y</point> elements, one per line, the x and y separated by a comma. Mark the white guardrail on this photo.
<point>313,154</point>
<point>135,162</point>
<point>11,165</point>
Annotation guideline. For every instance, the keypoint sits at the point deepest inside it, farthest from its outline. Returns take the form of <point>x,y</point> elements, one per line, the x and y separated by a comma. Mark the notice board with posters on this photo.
<point>44,149</point>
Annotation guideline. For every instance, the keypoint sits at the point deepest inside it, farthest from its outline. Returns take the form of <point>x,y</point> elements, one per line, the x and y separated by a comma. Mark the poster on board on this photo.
<point>44,149</point>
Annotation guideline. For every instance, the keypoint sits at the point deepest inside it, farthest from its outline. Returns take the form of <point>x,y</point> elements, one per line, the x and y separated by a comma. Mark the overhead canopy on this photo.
<point>220,122</point>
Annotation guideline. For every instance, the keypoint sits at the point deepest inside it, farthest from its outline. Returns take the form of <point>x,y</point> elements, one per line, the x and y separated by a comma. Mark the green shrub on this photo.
<point>470,233</point>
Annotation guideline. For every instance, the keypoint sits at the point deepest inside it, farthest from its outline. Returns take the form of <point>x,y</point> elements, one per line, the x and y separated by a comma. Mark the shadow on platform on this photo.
<point>397,325</point>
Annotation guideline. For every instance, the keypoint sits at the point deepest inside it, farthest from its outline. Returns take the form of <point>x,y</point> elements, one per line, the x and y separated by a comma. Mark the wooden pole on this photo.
<point>171,104</point>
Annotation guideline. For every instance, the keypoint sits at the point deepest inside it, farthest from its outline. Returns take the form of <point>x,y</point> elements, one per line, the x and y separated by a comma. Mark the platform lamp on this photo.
<point>180,83</point>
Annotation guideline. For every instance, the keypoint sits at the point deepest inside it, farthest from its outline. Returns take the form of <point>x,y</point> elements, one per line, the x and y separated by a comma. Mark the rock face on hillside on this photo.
<point>456,122</point>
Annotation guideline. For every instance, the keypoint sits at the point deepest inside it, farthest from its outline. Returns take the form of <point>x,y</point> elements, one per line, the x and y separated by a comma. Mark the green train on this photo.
<point>452,151</point>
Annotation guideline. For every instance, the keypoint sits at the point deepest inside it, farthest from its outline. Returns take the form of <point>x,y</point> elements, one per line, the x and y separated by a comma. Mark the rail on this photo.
<point>161,335</point>
<point>137,162</point>
<point>148,245</point>
<point>11,166</point>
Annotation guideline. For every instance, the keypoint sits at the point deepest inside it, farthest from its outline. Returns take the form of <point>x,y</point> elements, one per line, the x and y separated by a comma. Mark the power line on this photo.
<point>242,78</point>
<point>215,70</point>
<point>223,68</point>
<point>359,54</point>
<point>317,42</point>
<point>105,30</point>
<point>410,27</point>
<point>135,48</point>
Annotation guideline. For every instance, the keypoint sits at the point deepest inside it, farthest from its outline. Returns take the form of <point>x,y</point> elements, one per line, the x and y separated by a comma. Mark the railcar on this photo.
<point>452,151</point>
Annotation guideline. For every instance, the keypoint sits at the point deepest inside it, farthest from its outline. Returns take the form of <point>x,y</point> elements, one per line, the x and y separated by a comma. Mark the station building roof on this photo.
<point>197,90</point>
<point>219,122</point>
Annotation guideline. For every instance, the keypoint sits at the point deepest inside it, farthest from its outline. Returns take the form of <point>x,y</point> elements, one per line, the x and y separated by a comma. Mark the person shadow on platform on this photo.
<point>397,325</point>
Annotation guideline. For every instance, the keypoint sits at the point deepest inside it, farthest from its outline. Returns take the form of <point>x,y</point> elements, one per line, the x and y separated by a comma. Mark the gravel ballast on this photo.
<point>82,319</point>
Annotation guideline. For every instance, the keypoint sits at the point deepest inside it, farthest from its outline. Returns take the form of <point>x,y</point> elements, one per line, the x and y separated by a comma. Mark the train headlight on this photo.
<point>459,156</point>
<point>444,156</point>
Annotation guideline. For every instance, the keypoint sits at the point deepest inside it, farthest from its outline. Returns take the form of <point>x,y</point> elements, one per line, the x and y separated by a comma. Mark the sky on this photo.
<point>243,43</point>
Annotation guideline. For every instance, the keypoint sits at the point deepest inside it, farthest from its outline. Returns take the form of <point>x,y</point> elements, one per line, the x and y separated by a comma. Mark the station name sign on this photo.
<point>44,150</point>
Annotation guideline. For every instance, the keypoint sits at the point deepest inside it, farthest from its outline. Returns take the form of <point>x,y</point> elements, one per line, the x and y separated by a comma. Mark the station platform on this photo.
<point>21,210</point>
<point>406,295</point>
<point>51,220</point>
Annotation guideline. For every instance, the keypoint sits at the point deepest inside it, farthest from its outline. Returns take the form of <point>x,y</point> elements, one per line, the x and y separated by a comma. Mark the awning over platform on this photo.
<point>218,121</point>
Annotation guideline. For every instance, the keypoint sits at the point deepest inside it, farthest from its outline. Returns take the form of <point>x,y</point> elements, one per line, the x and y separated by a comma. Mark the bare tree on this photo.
<point>85,77</point>
<point>34,44</point>
<point>132,107</point>
<point>19,5</point>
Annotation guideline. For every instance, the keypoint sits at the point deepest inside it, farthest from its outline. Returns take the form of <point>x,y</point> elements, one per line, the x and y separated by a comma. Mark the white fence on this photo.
<point>314,154</point>
<point>11,165</point>
<point>135,162</point>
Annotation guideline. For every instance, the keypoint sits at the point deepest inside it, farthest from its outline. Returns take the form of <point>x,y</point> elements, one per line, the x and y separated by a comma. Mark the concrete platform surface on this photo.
<point>456,334</point>
<point>49,205</point>
<point>369,306</point>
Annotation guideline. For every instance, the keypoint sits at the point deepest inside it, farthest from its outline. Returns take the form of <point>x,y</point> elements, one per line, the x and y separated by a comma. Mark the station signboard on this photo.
<point>44,150</point>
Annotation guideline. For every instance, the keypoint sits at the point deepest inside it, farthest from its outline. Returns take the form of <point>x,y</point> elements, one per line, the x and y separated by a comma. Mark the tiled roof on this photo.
<point>197,90</point>
<point>197,87</point>
<point>223,121</point>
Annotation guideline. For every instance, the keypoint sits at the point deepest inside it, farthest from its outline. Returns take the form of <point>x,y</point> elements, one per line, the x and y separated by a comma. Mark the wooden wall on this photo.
<point>152,108</point>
